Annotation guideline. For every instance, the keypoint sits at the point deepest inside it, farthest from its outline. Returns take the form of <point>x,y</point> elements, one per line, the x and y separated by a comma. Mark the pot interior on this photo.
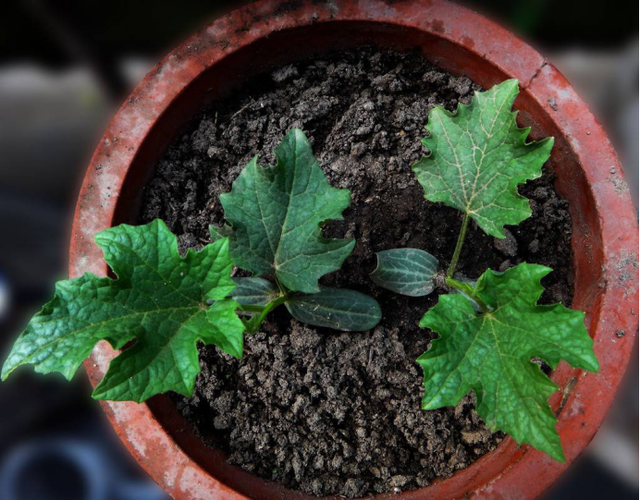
<point>294,45</point>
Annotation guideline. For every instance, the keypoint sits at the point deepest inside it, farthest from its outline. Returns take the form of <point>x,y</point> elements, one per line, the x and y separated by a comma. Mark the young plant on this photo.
<point>161,304</point>
<point>489,330</point>
<point>276,214</point>
<point>160,300</point>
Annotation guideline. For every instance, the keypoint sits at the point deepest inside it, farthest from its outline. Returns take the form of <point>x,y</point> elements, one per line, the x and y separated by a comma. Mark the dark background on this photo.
<point>65,66</point>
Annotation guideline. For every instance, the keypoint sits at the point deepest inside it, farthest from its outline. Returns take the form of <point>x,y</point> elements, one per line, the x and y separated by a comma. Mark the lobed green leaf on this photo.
<point>490,354</point>
<point>276,215</point>
<point>478,157</point>
<point>159,300</point>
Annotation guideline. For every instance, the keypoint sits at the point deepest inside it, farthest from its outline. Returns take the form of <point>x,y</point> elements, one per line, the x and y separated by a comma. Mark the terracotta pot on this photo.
<point>269,33</point>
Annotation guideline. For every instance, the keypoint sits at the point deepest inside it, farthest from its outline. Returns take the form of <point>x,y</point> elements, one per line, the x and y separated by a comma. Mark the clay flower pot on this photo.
<point>270,33</point>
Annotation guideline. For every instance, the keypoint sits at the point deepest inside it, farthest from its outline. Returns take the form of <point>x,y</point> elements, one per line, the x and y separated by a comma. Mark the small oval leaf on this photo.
<point>408,271</point>
<point>254,291</point>
<point>336,308</point>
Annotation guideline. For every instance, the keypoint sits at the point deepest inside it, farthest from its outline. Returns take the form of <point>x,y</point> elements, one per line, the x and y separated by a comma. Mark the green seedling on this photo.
<point>489,330</point>
<point>161,304</point>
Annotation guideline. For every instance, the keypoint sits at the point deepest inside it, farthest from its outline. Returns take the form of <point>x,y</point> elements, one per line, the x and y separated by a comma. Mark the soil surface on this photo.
<point>318,410</point>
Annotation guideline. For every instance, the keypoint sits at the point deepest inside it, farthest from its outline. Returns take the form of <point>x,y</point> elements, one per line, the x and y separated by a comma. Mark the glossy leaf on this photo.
<point>276,215</point>
<point>254,291</point>
<point>490,354</point>
<point>478,157</point>
<point>336,308</point>
<point>159,300</point>
<point>408,271</point>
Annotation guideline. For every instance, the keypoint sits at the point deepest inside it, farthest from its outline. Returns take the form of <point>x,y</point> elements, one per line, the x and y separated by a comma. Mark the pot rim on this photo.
<point>511,470</point>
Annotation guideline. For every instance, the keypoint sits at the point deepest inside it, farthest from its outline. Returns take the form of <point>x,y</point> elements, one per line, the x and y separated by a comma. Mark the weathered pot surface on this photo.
<point>269,33</point>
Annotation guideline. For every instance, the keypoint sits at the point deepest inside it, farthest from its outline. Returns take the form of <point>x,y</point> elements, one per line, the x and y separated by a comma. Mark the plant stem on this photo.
<point>246,323</point>
<point>254,323</point>
<point>281,287</point>
<point>469,291</point>
<point>456,252</point>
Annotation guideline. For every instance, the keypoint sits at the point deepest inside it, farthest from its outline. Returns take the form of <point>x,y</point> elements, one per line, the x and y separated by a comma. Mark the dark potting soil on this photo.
<point>315,409</point>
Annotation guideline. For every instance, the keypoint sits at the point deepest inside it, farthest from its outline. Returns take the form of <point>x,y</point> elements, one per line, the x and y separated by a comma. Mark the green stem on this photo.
<point>254,323</point>
<point>456,252</point>
<point>281,287</point>
<point>469,291</point>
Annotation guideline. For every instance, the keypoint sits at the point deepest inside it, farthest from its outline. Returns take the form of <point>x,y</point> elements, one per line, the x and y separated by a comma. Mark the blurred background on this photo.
<point>66,65</point>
